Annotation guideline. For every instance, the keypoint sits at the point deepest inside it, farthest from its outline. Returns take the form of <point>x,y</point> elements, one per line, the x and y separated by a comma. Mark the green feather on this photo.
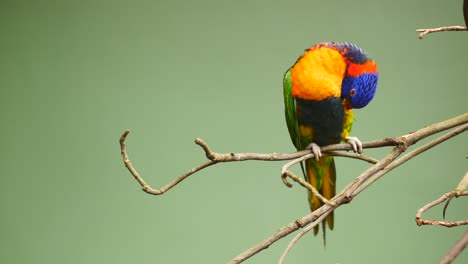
<point>290,110</point>
<point>291,116</point>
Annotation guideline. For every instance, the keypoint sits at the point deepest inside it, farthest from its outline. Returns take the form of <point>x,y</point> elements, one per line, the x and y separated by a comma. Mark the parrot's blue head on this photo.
<point>359,88</point>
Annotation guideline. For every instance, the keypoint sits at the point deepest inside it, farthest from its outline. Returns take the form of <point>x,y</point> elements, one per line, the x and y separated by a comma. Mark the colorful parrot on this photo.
<point>320,91</point>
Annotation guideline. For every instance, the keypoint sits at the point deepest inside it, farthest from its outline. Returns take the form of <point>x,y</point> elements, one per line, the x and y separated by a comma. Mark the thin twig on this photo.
<point>282,232</point>
<point>300,235</point>
<point>425,31</point>
<point>443,198</point>
<point>455,250</point>
<point>352,156</point>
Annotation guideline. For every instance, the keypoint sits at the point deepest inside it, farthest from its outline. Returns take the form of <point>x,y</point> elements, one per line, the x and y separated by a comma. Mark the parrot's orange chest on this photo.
<point>318,74</point>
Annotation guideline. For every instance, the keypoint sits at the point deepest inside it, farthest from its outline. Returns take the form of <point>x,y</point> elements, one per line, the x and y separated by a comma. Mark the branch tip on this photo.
<point>425,31</point>
<point>208,152</point>
<point>124,135</point>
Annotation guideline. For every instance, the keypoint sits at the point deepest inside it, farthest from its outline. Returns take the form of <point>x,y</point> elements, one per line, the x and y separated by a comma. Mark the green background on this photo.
<point>75,74</point>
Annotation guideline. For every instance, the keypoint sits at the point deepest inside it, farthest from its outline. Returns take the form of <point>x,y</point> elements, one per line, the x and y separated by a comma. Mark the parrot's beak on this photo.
<point>347,104</point>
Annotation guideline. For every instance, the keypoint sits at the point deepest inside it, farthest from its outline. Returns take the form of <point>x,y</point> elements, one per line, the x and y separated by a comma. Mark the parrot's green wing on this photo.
<point>290,110</point>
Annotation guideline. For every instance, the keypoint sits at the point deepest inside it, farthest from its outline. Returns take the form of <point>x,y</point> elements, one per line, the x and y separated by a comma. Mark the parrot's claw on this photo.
<point>355,143</point>
<point>315,150</point>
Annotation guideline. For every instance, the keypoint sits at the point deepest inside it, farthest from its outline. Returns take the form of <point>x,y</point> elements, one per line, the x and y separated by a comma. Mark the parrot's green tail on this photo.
<point>321,175</point>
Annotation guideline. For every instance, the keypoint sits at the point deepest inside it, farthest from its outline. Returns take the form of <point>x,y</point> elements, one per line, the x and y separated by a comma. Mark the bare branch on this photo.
<point>214,158</point>
<point>345,196</point>
<point>425,31</point>
<point>456,250</point>
<point>360,183</point>
<point>411,155</point>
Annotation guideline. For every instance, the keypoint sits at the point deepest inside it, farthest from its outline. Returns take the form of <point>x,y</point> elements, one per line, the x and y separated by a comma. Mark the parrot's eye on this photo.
<point>352,92</point>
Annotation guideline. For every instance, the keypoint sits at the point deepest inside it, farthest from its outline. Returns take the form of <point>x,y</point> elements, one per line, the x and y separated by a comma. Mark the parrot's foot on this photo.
<point>315,150</point>
<point>355,143</point>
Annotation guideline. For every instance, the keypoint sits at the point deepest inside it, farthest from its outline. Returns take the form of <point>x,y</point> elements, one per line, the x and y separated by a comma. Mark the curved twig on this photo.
<point>286,166</point>
<point>304,184</point>
<point>442,199</point>
<point>146,187</point>
<point>285,173</point>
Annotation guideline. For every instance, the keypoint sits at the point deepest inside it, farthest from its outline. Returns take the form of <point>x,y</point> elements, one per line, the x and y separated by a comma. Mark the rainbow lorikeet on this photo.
<point>320,91</point>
